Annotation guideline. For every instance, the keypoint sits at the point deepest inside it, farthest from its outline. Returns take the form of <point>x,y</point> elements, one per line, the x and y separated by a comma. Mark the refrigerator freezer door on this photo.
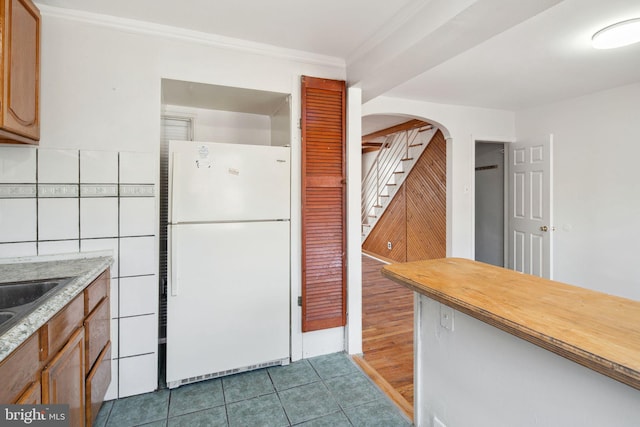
<point>228,305</point>
<point>211,182</point>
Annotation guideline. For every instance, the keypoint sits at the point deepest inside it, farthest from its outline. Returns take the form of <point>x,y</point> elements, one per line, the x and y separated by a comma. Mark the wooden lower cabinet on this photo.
<point>67,361</point>
<point>63,379</point>
<point>97,324</point>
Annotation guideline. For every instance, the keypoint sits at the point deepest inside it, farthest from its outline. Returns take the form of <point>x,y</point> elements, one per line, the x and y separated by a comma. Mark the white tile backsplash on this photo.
<point>64,201</point>
<point>138,295</point>
<point>115,296</point>
<point>58,219</point>
<point>98,217</point>
<point>58,166</point>
<point>137,256</point>
<point>17,165</point>
<point>90,245</point>
<point>58,247</point>
<point>18,220</point>
<point>137,216</point>
<point>98,167</point>
<point>138,168</point>
<point>138,335</point>
<point>115,330</point>
<point>138,375</point>
<point>13,250</point>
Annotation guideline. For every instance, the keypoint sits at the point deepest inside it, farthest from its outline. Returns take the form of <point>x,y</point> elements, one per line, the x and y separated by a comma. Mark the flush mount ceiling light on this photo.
<point>617,35</point>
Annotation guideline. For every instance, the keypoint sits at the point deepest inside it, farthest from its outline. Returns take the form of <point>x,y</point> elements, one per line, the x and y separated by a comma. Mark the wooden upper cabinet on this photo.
<point>323,204</point>
<point>19,111</point>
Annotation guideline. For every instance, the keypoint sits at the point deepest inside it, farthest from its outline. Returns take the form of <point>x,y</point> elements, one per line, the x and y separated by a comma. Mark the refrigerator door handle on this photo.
<point>173,265</point>
<point>172,166</point>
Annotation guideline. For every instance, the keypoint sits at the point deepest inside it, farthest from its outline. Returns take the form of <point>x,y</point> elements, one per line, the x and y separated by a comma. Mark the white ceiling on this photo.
<point>545,59</point>
<point>503,54</point>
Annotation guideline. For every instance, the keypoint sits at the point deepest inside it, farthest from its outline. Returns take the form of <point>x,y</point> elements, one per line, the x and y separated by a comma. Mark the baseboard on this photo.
<point>392,393</point>
<point>379,257</point>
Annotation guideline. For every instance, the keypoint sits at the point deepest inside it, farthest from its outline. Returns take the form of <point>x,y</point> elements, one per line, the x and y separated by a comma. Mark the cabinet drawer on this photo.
<point>98,382</point>
<point>96,291</point>
<point>19,370</point>
<point>97,326</point>
<point>57,331</point>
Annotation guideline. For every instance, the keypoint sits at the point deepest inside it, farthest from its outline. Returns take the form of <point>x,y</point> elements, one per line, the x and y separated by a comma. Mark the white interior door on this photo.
<point>530,207</point>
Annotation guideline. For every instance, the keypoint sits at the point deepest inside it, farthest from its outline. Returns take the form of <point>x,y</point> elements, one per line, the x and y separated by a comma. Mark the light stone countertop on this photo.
<point>83,267</point>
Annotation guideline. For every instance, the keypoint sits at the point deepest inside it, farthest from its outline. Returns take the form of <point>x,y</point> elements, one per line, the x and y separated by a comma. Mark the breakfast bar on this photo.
<point>497,347</point>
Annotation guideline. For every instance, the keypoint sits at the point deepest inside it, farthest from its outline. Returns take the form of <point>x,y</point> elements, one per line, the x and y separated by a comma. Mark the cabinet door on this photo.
<point>63,378</point>
<point>21,74</point>
<point>98,381</point>
<point>97,332</point>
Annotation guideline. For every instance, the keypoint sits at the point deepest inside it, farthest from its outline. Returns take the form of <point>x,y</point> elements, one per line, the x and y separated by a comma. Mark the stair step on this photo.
<point>383,195</point>
<point>372,216</point>
<point>415,145</point>
<point>399,172</point>
<point>406,159</point>
<point>390,185</point>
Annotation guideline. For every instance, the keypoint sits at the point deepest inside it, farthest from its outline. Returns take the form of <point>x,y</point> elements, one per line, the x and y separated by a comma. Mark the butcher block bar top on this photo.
<point>596,330</point>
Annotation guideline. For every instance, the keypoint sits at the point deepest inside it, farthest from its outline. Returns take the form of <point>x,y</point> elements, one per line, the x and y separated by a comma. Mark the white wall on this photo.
<point>225,126</point>
<point>281,124</point>
<point>101,90</point>
<point>477,375</point>
<point>462,126</point>
<point>596,194</point>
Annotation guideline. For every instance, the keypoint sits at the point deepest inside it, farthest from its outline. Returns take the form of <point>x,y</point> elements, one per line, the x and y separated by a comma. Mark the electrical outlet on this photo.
<point>437,422</point>
<point>446,317</point>
<point>389,245</point>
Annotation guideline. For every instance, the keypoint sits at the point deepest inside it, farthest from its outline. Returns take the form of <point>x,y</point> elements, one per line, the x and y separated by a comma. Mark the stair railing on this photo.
<point>380,183</point>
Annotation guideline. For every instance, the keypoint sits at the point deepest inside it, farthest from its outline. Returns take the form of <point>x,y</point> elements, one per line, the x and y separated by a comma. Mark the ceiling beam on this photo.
<point>430,33</point>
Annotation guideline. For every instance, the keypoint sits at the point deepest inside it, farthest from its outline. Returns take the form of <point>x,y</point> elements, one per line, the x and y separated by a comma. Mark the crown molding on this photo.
<point>182,34</point>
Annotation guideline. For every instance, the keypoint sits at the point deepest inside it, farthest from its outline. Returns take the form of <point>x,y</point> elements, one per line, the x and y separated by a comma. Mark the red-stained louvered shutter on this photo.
<point>323,204</point>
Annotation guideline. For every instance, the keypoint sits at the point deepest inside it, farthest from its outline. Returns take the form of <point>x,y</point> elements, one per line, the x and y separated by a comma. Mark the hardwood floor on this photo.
<point>387,330</point>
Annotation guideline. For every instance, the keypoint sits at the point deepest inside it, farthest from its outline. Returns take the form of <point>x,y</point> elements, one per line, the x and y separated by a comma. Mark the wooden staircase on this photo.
<point>398,148</point>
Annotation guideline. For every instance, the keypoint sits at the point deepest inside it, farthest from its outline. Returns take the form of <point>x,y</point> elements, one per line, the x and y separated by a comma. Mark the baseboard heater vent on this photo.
<point>279,362</point>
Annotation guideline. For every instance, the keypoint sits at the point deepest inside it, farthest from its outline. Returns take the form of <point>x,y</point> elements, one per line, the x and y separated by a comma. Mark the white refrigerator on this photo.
<point>228,303</point>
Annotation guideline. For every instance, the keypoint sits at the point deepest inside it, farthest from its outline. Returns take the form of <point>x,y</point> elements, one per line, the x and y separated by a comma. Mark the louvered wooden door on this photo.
<point>323,204</point>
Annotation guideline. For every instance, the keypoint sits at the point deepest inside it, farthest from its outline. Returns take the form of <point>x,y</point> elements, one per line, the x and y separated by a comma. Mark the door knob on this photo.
<point>544,228</point>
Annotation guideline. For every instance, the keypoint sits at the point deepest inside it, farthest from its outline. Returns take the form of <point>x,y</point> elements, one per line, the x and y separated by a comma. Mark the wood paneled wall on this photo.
<point>415,221</point>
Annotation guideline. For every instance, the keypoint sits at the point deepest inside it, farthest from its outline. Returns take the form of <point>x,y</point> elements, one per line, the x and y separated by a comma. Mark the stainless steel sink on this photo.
<point>5,315</point>
<point>18,299</point>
